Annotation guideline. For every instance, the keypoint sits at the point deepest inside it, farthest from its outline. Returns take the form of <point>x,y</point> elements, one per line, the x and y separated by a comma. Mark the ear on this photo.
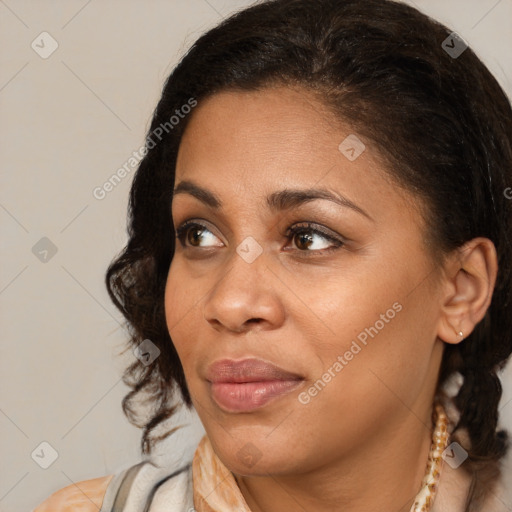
<point>470,276</point>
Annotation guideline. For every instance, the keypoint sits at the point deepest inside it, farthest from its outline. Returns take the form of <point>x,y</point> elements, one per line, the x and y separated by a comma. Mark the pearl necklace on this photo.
<point>425,497</point>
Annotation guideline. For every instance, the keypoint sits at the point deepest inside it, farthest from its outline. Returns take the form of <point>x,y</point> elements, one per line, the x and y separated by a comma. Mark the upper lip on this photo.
<point>247,370</point>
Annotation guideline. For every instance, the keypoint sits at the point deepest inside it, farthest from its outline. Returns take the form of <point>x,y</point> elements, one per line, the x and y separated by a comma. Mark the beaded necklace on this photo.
<point>425,497</point>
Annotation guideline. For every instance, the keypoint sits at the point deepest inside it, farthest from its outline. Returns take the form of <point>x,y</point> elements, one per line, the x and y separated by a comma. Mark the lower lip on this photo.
<point>248,396</point>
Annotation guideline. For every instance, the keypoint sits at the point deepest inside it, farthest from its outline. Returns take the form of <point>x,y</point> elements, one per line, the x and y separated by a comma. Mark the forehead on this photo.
<point>269,126</point>
<point>256,142</point>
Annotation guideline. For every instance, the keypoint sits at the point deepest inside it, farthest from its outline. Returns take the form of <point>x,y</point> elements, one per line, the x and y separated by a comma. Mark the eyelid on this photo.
<point>315,228</point>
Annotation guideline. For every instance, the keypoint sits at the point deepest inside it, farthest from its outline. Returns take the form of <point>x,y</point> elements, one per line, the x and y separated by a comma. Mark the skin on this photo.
<point>86,496</point>
<point>362,442</point>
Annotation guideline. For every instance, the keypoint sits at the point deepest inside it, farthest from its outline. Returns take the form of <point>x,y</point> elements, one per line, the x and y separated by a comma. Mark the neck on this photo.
<point>384,474</point>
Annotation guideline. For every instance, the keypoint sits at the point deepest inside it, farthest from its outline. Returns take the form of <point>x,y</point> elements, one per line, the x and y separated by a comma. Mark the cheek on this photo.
<point>347,309</point>
<point>378,339</point>
<point>181,310</point>
<point>362,383</point>
<point>395,364</point>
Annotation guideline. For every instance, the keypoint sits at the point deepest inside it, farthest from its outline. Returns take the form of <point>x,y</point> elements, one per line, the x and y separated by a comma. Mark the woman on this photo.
<point>361,376</point>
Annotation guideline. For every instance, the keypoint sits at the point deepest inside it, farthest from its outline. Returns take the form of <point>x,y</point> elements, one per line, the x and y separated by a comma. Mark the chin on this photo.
<point>253,454</point>
<point>245,463</point>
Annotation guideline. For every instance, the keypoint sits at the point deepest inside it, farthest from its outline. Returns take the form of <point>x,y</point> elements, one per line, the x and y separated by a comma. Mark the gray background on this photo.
<point>68,122</point>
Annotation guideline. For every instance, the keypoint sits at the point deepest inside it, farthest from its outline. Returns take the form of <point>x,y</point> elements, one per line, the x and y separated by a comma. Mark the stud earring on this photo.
<point>460,334</point>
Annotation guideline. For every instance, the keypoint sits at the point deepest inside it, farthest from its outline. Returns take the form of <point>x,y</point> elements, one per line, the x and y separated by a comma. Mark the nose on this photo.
<point>245,297</point>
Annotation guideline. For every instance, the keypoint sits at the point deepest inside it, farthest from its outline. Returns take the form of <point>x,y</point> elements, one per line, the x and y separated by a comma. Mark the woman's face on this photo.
<point>345,309</point>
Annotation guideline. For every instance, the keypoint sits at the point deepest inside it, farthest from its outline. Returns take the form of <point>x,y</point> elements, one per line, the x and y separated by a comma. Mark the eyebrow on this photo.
<point>277,201</point>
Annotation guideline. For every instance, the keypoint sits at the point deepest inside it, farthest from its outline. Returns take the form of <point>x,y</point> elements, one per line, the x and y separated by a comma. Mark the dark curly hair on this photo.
<point>441,122</point>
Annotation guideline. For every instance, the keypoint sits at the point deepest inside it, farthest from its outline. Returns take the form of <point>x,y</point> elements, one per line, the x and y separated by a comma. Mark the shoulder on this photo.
<point>85,496</point>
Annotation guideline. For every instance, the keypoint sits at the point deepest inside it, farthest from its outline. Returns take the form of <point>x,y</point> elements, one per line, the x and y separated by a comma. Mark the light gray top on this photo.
<point>145,487</point>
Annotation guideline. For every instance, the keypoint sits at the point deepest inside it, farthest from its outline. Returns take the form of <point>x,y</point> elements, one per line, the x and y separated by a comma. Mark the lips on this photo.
<point>247,370</point>
<point>242,386</point>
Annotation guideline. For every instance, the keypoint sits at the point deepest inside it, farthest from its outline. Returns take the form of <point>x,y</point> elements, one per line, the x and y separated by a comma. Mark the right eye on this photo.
<point>191,234</point>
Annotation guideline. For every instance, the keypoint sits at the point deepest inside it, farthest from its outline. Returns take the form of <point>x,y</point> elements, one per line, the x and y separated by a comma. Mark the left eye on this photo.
<point>307,238</point>
<point>304,236</point>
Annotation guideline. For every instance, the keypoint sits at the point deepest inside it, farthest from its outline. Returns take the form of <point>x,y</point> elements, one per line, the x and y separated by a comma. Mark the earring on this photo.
<point>459,333</point>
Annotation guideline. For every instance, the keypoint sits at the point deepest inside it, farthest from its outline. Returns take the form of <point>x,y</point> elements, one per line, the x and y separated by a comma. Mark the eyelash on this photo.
<point>306,227</point>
